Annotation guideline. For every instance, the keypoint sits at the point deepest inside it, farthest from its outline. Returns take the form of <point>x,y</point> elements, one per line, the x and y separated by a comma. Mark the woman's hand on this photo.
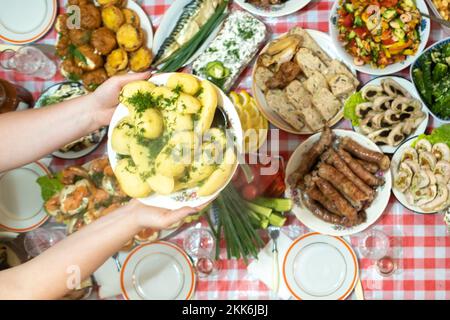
<point>106,97</point>
<point>157,218</point>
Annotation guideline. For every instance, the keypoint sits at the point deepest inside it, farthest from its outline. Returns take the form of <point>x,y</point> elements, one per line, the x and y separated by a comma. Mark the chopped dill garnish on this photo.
<point>141,101</point>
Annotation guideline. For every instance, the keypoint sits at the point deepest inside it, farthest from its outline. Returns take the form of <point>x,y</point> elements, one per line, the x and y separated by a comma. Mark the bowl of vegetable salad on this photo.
<point>379,37</point>
<point>430,74</point>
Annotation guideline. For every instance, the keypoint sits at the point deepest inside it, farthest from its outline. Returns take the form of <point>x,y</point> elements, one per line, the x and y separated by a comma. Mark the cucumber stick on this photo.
<point>279,205</point>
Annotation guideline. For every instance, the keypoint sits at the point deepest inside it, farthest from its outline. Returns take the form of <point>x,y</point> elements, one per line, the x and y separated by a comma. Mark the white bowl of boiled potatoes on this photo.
<point>162,145</point>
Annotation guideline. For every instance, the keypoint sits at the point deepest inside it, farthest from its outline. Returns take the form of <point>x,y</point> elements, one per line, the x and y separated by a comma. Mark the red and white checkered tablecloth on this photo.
<point>420,242</point>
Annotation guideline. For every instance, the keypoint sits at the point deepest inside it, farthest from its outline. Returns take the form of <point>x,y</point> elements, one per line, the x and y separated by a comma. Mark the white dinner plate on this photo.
<point>274,11</point>
<point>25,21</point>
<point>410,88</point>
<point>186,197</point>
<point>324,41</point>
<point>168,23</point>
<point>303,214</point>
<point>21,204</point>
<point>425,28</point>
<point>396,158</point>
<point>320,267</point>
<point>157,271</point>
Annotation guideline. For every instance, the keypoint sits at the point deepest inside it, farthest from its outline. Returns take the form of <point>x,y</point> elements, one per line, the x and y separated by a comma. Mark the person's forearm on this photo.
<point>47,276</point>
<point>31,134</point>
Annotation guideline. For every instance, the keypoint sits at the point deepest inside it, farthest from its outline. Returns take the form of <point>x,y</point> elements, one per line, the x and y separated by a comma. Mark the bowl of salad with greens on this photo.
<point>430,74</point>
<point>379,37</point>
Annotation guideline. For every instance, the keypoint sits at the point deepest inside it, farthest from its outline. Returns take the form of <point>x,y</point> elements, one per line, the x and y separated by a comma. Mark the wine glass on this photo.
<point>37,241</point>
<point>199,244</point>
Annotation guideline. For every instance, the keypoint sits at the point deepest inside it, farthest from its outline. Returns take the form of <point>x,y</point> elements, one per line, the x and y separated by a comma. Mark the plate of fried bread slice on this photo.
<point>339,181</point>
<point>299,84</point>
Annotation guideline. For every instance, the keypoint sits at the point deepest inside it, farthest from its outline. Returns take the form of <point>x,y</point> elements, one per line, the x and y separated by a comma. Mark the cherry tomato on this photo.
<point>348,21</point>
<point>249,192</point>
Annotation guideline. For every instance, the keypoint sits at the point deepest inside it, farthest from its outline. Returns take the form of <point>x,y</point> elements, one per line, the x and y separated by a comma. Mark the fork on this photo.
<point>117,261</point>
<point>274,233</point>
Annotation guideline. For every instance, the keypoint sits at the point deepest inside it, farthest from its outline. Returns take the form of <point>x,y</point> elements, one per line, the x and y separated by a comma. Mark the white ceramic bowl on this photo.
<point>425,28</point>
<point>186,197</point>
<point>414,65</point>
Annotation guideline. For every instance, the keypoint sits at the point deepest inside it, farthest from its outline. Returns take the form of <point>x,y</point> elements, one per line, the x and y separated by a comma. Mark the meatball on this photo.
<point>87,59</point>
<point>116,61</point>
<point>113,18</point>
<point>129,37</point>
<point>79,37</point>
<point>62,46</point>
<point>131,17</point>
<point>93,79</point>
<point>141,59</point>
<point>90,17</point>
<point>103,40</point>
<point>70,70</point>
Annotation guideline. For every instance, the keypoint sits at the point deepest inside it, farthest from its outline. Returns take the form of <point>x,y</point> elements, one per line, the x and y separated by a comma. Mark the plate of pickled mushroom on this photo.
<point>421,171</point>
<point>165,147</point>
<point>387,110</point>
<point>339,181</point>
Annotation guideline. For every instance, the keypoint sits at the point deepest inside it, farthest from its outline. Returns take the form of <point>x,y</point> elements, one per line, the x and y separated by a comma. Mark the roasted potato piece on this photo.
<point>140,60</point>
<point>103,40</point>
<point>188,83</point>
<point>131,17</point>
<point>78,2</point>
<point>70,70</point>
<point>105,3</point>
<point>80,37</point>
<point>129,37</point>
<point>129,179</point>
<point>93,79</point>
<point>87,59</point>
<point>113,18</point>
<point>116,61</point>
<point>90,17</point>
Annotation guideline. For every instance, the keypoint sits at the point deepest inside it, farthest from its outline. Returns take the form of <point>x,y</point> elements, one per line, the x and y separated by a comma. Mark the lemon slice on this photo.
<point>236,99</point>
<point>245,97</point>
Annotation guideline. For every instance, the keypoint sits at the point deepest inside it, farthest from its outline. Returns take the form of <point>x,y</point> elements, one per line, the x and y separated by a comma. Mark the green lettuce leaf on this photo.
<point>49,186</point>
<point>350,107</point>
<point>441,134</point>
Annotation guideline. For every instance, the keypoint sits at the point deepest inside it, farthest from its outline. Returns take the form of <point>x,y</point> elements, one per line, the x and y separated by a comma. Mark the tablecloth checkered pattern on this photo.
<point>420,242</point>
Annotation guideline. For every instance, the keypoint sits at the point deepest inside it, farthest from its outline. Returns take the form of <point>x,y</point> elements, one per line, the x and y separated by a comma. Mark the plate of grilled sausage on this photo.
<point>339,181</point>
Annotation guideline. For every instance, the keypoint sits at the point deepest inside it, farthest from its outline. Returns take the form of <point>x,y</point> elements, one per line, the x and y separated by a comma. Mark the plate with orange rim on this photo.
<point>320,267</point>
<point>21,204</point>
<point>157,271</point>
<point>24,21</point>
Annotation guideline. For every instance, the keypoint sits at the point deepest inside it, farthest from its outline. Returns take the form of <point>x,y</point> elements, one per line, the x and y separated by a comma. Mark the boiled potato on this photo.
<point>129,179</point>
<point>216,136</point>
<point>208,99</point>
<point>131,17</point>
<point>220,176</point>
<point>116,61</point>
<point>129,37</point>
<point>188,83</point>
<point>113,18</point>
<point>140,153</point>
<point>161,184</point>
<point>201,168</point>
<point>149,123</point>
<point>122,136</point>
<point>141,59</point>
<point>188,104</point>
<point>132,88</point>
<point>178,122</point>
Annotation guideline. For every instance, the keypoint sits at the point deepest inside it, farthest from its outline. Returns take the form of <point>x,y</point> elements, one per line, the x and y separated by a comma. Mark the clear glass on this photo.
<point>374,244</point>
<point>39,240</point>
<point>30,61</point>
<point>199,244</point>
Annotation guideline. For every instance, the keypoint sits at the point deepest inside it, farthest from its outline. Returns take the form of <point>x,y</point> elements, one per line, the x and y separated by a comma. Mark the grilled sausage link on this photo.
<point>363,153</point>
